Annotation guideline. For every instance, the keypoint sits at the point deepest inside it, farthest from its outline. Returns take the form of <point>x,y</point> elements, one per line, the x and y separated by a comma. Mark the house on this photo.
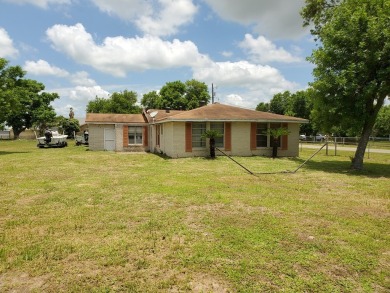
<point>178,133</point>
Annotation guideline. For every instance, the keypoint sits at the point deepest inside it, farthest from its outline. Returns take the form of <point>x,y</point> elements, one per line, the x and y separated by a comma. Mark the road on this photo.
<point>343,148</point>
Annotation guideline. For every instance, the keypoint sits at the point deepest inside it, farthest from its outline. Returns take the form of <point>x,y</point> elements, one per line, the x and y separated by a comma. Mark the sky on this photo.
<point>249,50</point>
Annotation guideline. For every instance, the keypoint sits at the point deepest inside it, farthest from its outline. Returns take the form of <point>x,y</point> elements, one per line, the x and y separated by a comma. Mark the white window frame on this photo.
<point>197,140</point>
<point>138,136</point>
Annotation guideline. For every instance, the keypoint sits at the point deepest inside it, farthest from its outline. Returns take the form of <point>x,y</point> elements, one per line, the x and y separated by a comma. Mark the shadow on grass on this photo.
<point>374,170</point>
<point>11,153</point>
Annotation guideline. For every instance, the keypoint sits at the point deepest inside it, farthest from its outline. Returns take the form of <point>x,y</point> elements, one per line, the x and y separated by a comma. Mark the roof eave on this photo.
<point>233,120</point>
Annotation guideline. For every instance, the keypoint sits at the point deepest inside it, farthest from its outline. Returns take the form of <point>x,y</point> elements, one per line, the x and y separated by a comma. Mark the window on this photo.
<point>135,134</point>
<point>263,139</point>
<point>218,126</point>
<point>197,130</point>
<point>261,135</point>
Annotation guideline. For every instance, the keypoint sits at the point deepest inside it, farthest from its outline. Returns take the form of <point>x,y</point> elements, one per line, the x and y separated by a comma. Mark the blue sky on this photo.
<point>249,49</point>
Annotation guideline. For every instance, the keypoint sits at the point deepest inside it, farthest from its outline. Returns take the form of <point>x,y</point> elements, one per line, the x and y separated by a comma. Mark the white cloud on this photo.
<point>82,78</point>
<point>118,55</point>
<point>167,21</point>
<point>275,19</point>
<point>7,48</point>
<point>85,93</point>
<point>243,74</point>
<point>42,67</point>
<point>125,9</point>
<point>263,51</point>
<point>237,100</point>
<point>154,17</point>
<point>227,54</point>
<point>235,80</point>
<point>40,3</point>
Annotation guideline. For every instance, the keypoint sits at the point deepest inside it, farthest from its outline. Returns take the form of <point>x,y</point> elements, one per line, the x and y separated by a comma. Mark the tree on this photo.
<point>300,105</point>
<point>125,102</point>
<point>173,95</point>
<point>196,93</point>
<point>99,105</point>
<point>177,95</point>
<point>275,134</point>
<point>212,135</point>
<point>68,125</point>
<point>23,102</point>
<point>382,124</point>
<point>296,104</point>
<point>43,117</point>
<point>121,103</point>
<point>10,78</point>
<point>352,76</point>
<point>279,103</point>
<point>151,100</point>
<point>263,107</point>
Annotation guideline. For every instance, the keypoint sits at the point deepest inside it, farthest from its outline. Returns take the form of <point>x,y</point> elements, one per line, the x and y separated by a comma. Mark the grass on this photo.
<point>73,220</point>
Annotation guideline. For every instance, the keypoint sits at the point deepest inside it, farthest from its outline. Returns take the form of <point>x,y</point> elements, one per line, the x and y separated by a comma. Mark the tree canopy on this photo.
<point>296,104</point>
<point>23,103</point>
<point>68,125</point>
<point>177,95</point>
<point>382,124</point>
<point>122,102</point>
<point>352,61</point>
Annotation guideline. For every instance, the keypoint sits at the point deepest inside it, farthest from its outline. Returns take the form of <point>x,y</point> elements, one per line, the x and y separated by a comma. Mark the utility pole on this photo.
<point>212,93</point>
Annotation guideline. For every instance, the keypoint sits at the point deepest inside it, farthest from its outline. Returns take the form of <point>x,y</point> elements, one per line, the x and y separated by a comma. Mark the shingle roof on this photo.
<point>161,114</point>
<point>114,118</point>
<point>221,112</point>
<point>211,112</point>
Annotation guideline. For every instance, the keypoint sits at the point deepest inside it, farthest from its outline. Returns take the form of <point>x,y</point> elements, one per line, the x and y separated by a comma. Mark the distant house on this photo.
<point>178,133</point>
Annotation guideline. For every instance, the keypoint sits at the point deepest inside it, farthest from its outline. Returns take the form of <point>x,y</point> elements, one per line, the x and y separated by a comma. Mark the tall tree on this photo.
<point>151,100</point>
<point>10,78</point>
<point>177,95</point>
<point>122,103</point>
<point>173,95</point>
<point>98,105</point>
<point>279,103</point>
<point>196,93</point>
<point>68,125</point>
<point>264,107</point>
<point>352,76</point>
<point>23,102</point>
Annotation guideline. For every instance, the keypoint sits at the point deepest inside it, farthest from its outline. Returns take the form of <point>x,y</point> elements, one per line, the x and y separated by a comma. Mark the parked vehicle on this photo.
<point>55,140</point>
<point>320,137</point>
<point>302,137</point>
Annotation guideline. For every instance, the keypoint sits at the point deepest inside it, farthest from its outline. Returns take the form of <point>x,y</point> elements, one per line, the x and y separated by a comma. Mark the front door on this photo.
<point>109,139</point>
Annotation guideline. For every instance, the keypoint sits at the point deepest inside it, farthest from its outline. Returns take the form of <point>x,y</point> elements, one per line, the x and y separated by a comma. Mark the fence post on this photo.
<point>327,144</point>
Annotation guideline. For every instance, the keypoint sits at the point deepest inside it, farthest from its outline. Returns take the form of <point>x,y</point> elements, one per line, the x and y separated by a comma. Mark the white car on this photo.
<point>302,136</point>
<point>320,137</point>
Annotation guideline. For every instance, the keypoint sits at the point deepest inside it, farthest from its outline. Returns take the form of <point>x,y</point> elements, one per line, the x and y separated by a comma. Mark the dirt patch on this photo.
<point>22,282</point>
<point>206,283</point>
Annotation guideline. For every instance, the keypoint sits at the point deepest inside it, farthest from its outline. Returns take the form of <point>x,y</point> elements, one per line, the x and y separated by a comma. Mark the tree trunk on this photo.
<point>357,161</point>
<point>212,148</point>
<point>274,148</point>
<point>17,132</point>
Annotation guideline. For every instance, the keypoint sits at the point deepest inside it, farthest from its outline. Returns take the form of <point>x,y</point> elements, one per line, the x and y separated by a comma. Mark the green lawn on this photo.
<point>73,220</point>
